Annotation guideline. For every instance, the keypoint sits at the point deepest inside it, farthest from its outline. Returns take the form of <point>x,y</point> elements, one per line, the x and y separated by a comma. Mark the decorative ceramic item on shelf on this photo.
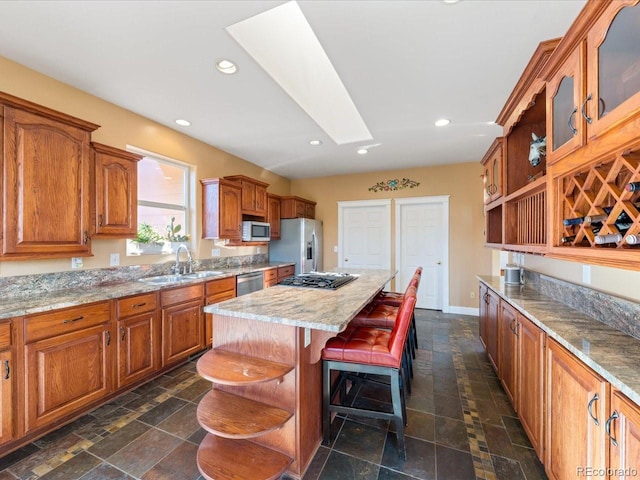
<point>538,149</point>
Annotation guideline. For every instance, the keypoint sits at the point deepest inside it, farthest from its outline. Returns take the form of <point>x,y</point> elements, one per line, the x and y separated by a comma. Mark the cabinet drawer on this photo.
<point>214,287</point>
<point>68,320</point>
<point>284,272</point>
<point>135,305</point>
<point>181,294</point>
<point>270,274</point>
<point>5,335</point>
<point>220,297</point>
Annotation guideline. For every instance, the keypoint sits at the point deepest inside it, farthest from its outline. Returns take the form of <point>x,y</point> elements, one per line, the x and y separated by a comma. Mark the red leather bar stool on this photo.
<point>359,351</point>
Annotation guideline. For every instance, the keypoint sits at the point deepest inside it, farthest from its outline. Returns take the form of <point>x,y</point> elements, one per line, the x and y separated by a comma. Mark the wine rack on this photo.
<point>591,190</point>
<point>525,219</point>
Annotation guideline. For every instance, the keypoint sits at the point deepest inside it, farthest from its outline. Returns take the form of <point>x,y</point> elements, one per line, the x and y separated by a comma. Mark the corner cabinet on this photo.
<point>115,192</point>
<point>221,212</point>
<point>46,182</point>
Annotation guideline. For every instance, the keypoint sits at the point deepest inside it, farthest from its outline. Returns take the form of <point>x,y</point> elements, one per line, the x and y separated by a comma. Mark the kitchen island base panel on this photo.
<point>299,391</point>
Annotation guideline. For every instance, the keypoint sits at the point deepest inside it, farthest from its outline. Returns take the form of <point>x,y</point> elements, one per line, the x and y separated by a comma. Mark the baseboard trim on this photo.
<point>462,310</point>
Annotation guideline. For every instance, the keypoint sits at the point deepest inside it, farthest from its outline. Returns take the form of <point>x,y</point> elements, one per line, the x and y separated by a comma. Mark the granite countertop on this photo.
<point>611,353</point>
<point>318,309</point>
<point>71,297</point>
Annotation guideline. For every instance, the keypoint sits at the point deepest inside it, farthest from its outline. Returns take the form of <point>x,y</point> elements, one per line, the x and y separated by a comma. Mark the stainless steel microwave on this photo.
<point>256,231</point>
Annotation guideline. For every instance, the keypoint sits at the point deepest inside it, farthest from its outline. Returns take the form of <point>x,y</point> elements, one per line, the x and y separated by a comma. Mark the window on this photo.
<point>163,204</point>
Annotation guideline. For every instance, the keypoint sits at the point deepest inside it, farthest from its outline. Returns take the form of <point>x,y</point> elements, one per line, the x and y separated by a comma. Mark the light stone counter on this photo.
<point>43,301</point>
<point>314,308</point>
<point>611,353</point>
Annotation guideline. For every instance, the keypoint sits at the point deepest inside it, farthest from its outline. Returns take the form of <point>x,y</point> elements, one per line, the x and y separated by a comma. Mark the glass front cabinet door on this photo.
<point>613,62</point>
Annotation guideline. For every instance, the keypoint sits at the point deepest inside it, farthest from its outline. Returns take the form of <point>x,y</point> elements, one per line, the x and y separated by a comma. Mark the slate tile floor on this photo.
<point>461,426</point>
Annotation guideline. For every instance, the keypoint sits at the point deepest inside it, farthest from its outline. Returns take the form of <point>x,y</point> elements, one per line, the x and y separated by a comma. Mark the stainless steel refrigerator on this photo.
<point>300,242</point>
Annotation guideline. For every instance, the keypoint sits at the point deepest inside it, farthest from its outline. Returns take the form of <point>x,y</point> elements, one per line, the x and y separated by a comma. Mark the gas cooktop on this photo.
<point>327,280</point>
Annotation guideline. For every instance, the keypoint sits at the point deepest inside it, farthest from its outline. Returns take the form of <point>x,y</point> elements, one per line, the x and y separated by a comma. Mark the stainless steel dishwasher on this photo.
<point>249,282</point>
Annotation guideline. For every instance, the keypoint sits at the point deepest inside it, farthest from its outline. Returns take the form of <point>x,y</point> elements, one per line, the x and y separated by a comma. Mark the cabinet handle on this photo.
<point>100,220</point>
<point>607,427</point>
<point>492,188</point>
<point>108,338</point>
<point>571,127</point>
<point>139,305</point>
<point>584,109</point>
<point>7,370</point>
<point>72,320</point>
<point>486,297</point>
<point>595,397</point>
<point>86,237</point>
<point>514,327</point>
<point>122,332</point>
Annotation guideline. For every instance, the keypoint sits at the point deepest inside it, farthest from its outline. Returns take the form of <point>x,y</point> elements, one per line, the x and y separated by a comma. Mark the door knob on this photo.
<point>439,262</point>
<point>346,259</point>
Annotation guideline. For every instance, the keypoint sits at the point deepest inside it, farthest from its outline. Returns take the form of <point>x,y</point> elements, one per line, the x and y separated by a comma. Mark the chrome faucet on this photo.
<point>189,265</point>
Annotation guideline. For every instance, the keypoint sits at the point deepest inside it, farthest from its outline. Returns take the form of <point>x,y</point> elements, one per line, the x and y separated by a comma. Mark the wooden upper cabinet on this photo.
<point>566,125</point>
<point>46,177</point>
<point>613,63</point>
<point>254,195</point>
<point>296,207</point>
<point>116,192</point>
<point>273,215</point>
<point>492,176</point>
<point>221,212</point>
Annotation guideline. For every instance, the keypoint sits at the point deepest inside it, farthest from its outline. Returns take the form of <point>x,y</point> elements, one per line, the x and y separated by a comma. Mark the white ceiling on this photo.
<point>404,63</point>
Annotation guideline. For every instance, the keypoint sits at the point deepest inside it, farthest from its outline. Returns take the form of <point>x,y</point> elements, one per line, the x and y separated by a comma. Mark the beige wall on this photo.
<point>467,254</point>
<point>119,128</point>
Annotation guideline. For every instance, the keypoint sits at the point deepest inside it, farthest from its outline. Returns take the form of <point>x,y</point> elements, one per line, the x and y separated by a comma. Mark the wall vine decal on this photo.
<point>393,184</point>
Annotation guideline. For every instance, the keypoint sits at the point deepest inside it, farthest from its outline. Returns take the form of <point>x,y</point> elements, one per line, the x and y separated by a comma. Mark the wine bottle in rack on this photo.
<point>567,222</point>
<point>567,239</point>
<point>632,239</point>
<point>632,187</point>
<point>611,238</point>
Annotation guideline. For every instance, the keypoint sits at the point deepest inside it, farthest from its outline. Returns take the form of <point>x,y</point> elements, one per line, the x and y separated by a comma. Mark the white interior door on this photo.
<point>364,234</point>
<point>422,239</point>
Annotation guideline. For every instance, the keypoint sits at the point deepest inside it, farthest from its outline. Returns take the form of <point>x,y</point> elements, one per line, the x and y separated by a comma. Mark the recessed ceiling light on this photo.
<point>315,142</point>
<point>450,2</point>
<point>442,122</point>
<point>491,123</point>
<point>182,122</point>
<point>226,66</point>
<point>362,151</point>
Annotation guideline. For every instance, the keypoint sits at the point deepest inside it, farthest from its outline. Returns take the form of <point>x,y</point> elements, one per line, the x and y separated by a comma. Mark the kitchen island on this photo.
<point>289,326</point>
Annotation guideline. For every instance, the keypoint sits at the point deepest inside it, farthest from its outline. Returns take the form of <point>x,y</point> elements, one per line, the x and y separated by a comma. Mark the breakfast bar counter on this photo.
<point>289,326</point>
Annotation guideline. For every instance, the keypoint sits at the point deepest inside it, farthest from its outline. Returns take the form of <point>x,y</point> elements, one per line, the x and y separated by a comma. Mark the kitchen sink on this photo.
<point>203,274</point>
<point>166,279</point>
<point>162,279</point>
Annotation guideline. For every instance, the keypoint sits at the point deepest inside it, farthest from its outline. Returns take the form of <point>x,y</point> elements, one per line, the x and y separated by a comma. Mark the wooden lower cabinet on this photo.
<point>286,272</point>
<point>530,381</point>
<point>270,277</point>
<point>491,327</point>
<point>217,291</point>
<point>482,315</point>
<point>577,401</point>
<point>507,349</point>
<point>182,326</point>
<point>138,338</point>
<point>623,426</point>
<point>65,373</point>
<point>7,372</point>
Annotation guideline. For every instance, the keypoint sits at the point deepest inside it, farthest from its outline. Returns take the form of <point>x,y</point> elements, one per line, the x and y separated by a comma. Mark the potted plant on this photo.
<point>148,239</point>
<point>173,235</point>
